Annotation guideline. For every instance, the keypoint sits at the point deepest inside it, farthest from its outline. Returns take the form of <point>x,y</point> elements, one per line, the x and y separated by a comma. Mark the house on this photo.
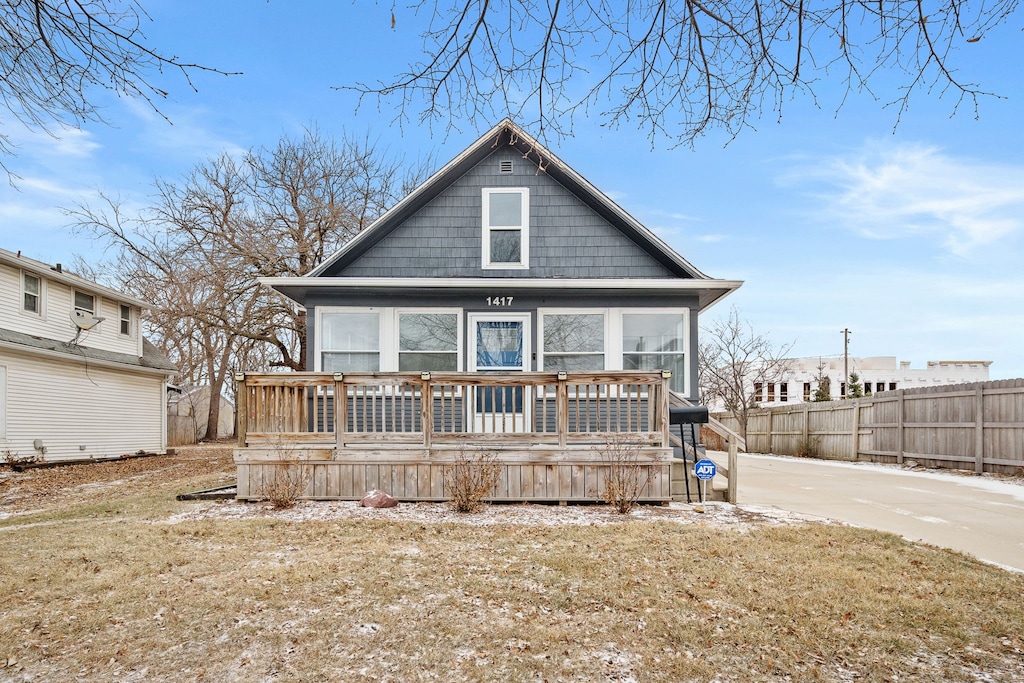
<point>188,414</point>
<point>503,274</point>
<point>876,374</point>
<point>77,379</point>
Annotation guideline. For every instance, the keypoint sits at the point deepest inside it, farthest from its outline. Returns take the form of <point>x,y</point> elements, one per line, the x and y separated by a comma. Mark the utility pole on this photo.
<point>846,360</point>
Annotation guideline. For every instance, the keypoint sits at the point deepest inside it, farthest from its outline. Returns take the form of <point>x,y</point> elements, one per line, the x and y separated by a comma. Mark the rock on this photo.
<point>378,499</point>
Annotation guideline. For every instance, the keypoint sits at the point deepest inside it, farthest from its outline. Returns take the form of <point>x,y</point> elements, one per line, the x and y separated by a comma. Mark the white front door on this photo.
<point>499,343</point>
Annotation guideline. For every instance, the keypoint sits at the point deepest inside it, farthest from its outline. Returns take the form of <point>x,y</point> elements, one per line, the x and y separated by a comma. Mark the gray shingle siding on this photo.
<point>567,238</point>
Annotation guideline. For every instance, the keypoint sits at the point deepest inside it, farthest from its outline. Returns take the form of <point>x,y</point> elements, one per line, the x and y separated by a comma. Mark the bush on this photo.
<point>290,479</point>
<point>807,447</point>
<point>626,477</point>
<point>471,479</point>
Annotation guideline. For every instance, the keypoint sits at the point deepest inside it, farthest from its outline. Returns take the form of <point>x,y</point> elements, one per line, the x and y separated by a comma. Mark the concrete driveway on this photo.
<point>981,516</point>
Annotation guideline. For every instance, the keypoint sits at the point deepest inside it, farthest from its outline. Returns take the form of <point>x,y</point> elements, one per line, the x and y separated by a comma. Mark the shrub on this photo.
<point>471,479</point>
<point>290,478</point>
<point>807,447</point>
<point>626,477</point>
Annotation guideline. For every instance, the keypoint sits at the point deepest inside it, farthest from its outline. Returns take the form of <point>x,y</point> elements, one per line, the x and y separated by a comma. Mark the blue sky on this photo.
<point>910,237</point>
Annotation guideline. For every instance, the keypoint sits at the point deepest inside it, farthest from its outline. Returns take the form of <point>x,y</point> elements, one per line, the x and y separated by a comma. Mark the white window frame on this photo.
<point>39,295</point>
<point>524,229</point>
<point>523,317</point>
<point>542,312</point>
<point>74,301</point>
<point>121,320</point>
<point>383,320</point>
<point>615,351</point>
<point>396,351</point>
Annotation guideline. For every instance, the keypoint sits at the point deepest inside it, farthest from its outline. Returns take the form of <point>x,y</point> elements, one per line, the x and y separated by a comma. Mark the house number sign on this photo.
<point>499,300</point>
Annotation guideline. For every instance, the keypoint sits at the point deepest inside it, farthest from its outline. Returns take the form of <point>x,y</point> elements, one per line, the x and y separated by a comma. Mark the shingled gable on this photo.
<point>644,262</point>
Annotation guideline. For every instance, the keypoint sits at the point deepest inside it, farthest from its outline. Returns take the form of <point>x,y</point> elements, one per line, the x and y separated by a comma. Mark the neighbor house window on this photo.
<point>758,392</point>
<point>784,392</point>
<point>350,341</point>
<point>881,386</point>
<point>506,242</point>
<point>32,288</point>
<point>573,342</point>
<point>771,392</point>
<point>892,386</point>
<point>428,341</point>
<point>655,341</point>
<point>807,391</point>
<point>86,303</point>
<point>126,319</point>
<point>867,388</point>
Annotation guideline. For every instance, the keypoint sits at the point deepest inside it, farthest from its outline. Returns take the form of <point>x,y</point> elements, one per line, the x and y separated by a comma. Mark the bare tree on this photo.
<point>198,251</point>
<point>732,360</point>
<point>54,53</point>
<point>677,67</point>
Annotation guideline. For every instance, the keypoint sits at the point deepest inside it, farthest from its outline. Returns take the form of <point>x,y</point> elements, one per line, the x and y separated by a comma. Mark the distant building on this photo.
<point>877,373</point>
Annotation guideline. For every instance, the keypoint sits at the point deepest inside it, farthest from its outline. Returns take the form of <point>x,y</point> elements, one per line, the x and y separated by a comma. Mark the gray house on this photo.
<point>506,267</point>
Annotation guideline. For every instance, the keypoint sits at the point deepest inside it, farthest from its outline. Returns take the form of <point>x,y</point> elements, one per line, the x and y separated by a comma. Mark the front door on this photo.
<point>499,343</point>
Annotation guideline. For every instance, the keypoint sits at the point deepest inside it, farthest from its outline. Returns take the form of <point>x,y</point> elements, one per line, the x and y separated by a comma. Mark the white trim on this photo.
<point>318,340</point>
<point>132,320</point>
<point>615,361</point>
<point>405,283</point>
<point>40,295</point>
<point>474,318</point>
<point>541,312</point>
<point>459,346</point>
<point>487,228</point>
<point>96,301</point>
<point>90,361</point>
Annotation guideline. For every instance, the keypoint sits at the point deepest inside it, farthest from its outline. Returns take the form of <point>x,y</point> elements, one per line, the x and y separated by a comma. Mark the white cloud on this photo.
<point>891,191</point>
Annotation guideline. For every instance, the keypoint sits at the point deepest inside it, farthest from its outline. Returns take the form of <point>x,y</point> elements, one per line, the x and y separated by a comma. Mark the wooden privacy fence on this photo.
<point>977,426</point>
<point>400,431</point>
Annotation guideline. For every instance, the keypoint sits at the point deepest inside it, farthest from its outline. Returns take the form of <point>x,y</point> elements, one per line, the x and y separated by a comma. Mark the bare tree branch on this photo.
<point>676,67</point>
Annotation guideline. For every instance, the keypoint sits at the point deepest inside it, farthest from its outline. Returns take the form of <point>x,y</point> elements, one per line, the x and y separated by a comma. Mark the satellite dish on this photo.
<point>84,321</point>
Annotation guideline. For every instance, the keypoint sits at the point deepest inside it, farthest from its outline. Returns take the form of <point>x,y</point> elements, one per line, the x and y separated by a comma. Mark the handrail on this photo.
<point>714,425</point>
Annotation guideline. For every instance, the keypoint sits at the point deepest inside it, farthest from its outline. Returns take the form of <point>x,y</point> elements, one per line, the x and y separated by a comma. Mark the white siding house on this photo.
<point>77,379</point>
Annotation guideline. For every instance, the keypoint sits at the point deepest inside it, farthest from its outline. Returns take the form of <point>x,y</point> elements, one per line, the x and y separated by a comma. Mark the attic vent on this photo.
<point>505,166</point>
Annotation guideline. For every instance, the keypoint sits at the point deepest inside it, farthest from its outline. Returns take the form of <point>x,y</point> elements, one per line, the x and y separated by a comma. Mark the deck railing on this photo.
<point>390,411</point>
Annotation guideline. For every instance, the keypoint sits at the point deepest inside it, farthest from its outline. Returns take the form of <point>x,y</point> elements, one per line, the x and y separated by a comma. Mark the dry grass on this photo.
<point>112,587</point>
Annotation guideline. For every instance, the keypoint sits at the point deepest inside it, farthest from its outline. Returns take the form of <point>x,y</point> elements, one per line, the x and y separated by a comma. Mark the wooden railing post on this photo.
<point>340,410</point>
<point>426,408</point>
<point>663,422</point>
<point>241,409</point>
<point>562,409</point>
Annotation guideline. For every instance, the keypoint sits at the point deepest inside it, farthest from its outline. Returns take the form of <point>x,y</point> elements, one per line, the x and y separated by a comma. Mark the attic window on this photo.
<point>505,166</point>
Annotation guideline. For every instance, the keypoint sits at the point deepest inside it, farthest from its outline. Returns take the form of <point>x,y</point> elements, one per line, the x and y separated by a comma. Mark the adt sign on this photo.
<point>704,469</point>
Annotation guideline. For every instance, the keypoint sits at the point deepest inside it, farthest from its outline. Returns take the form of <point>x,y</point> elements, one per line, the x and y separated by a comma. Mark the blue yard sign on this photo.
<point>704,469</point>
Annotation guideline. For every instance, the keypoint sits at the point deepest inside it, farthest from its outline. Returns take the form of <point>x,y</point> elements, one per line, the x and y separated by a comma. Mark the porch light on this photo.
<point>666,374</point>
<point>562,375</point>
<point>338,376</point>
<point>425,376</point>
<point>239,376</point>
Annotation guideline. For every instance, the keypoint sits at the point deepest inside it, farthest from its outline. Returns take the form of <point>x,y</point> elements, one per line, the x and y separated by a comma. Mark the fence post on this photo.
<point>856,429</point>
<point>979,429</point>
<point>771,429</point>
<point>733,470</point>
<point>899,428</point>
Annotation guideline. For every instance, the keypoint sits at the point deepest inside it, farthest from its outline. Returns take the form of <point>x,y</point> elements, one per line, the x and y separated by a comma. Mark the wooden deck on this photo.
<point>555,436</point>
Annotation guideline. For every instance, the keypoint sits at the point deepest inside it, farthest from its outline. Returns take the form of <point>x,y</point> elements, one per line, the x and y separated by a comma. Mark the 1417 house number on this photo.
<point>499,301</point>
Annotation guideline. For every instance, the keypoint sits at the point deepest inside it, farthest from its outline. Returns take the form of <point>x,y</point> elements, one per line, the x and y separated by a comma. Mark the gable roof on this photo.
<point>58,274</point>
<point>508,133</point>
<point>684,276</point>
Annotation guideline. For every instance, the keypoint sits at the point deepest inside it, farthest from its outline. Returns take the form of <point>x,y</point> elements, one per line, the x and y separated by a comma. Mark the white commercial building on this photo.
<point>877,373</point>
